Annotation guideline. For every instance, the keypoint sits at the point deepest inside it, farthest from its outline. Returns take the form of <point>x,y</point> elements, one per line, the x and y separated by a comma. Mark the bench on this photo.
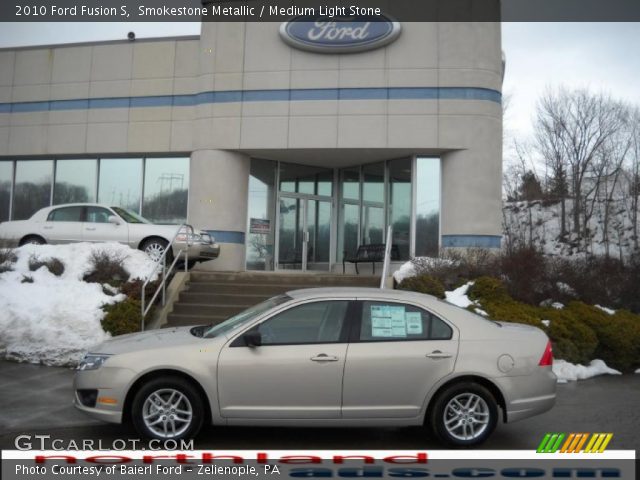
<point>370,254</point>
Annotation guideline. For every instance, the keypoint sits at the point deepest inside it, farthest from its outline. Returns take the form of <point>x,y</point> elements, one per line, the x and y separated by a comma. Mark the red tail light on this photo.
<point>547,356</point>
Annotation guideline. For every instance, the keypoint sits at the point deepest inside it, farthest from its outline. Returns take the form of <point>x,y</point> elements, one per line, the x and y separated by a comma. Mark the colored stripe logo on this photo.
<point>574,442</point>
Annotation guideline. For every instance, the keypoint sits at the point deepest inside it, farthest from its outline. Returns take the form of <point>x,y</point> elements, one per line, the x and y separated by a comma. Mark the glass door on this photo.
<point>304,234</point>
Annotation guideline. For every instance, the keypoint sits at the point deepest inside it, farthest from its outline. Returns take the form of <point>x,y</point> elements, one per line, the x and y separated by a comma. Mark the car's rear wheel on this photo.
<point>155,247</point>
<point>465,414</point>
<point>32,240</point>
<point>167,408</point>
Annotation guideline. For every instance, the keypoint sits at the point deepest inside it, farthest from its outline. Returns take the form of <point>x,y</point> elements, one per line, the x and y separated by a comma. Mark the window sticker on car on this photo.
<point>388,321</point>
<point>414,323</point>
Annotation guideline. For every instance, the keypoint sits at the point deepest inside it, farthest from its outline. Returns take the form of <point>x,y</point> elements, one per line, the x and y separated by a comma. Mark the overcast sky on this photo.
<point>601,56</point>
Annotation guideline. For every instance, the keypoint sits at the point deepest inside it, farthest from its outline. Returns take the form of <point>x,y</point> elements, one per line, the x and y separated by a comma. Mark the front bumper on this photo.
<point>111,384</point>
<point>199,251</point>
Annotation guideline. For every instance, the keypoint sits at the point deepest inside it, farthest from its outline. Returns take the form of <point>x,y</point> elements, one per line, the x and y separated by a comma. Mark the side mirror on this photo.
<point>113,219</point>
<point>252,338</point>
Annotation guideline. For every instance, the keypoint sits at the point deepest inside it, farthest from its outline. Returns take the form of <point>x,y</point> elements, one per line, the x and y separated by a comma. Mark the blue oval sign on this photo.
<point>337,35</point>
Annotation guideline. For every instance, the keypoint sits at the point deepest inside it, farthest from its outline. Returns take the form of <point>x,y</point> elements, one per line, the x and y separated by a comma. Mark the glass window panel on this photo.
<point>166,190</point>
<point>67,214</point>
<point>261,227</point>
<point>373,188</point>
<point>120,182</point>
<point>385,321</point>
<point>427,206</point>
<point>75,181</point>
<point>318,322</point>
<point>372,225</point>
<point>6,178</point>
<point>33,187</point>
<point>98,215</point>
<point>306,179</point>
<point>350,183</point>
<point>400,204</point>
<point>349,230</point>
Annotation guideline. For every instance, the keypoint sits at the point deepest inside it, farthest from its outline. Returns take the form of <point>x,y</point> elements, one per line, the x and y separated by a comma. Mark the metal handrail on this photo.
<point>387,257</point>
<point>188,230</point>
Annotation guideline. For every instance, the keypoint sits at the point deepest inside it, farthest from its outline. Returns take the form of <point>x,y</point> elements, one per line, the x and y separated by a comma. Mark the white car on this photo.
<point>89,222</point>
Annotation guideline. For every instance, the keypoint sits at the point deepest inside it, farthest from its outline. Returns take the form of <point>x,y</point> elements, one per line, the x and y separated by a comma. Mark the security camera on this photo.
<point>131,36</point>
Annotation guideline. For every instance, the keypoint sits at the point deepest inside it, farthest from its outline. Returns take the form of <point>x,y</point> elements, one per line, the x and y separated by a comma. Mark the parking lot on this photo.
<point>37,400</point>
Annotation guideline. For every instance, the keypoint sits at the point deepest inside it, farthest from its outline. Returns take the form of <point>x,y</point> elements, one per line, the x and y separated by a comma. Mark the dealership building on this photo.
<point>291,143</point>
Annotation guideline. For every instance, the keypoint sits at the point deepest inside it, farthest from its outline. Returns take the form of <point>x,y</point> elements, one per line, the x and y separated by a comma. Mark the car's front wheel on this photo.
<point>167,408</point>
<point>464,414</point>
<point>155,247</point>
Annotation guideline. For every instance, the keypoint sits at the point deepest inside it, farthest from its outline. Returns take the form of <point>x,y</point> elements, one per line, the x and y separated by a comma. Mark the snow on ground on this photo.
<point>459,297</point>
<point>606,310</point>
<point>54,320</point>
<point>638,370</point>
<point>566,371</point>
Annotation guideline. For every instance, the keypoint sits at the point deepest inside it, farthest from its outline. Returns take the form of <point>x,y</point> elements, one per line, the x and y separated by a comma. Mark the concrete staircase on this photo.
<point>211,297</point>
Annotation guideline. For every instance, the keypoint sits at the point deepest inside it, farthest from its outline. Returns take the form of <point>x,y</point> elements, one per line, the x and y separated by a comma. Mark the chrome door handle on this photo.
<point>438,354</point>
<point>48,227</point>
<point>323,357</point>
<point>91,229</point>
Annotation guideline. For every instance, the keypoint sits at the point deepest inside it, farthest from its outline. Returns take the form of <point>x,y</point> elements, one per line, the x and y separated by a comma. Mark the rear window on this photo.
<point>66,214</point>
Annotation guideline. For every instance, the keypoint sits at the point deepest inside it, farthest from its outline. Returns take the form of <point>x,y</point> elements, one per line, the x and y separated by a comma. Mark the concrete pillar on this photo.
<point>219,182</point>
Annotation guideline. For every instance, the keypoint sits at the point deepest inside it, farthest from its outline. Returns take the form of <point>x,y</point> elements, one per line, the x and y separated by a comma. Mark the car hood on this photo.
<point>134,342</point>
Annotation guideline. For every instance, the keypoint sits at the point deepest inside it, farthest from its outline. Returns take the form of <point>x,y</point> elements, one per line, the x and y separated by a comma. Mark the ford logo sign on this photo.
<point>339,35</point>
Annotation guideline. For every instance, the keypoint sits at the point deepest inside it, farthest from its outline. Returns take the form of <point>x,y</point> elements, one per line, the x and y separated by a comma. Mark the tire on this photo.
<point>154,247</point>
<point>464,415</point>
<point>184,398</point>
<point>32,240</point>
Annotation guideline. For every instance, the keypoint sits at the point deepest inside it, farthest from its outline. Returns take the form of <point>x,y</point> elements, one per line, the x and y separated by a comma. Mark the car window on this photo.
<point>98,215</point>
<point>66,214</point>
<point>390,321</point>
<point>316,322</point>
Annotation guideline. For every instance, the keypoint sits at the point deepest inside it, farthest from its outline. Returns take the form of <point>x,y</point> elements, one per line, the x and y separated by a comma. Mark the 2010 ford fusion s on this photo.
<point>325,357</point>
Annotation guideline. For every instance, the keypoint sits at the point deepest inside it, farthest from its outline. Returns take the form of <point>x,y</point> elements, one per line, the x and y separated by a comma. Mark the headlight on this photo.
<point>92,361</point>
<point>191,238</point>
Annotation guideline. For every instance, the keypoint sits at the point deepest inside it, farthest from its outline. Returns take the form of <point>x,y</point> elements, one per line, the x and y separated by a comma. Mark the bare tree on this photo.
<point>572,129</point>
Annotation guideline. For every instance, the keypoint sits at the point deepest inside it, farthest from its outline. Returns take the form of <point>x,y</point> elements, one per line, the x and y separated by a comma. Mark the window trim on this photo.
<point>83,214</point>
<point>354,336</point>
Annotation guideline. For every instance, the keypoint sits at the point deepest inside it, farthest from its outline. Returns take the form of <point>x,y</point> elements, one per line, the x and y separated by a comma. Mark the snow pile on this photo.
<point>638,370</point>
<point>407,270</point>
<point>606,310</point>
<point>459,296</point>
<point>54,320</point>
<point>566,371</point>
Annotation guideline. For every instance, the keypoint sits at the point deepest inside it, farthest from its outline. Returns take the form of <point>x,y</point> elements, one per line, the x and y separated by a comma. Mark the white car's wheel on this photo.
<point>167,408</point>
<point>32,240</point>
<point>155,247</point>
<point>465,414</point>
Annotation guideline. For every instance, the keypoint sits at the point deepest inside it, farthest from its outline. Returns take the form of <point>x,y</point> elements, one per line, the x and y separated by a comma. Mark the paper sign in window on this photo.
<point>388,321</point>
<point>414,323</point>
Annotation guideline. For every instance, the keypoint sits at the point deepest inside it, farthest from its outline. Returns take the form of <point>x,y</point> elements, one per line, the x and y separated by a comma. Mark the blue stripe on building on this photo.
<point>277,95</point>
<point>471,241</point>
<point>226,236</point>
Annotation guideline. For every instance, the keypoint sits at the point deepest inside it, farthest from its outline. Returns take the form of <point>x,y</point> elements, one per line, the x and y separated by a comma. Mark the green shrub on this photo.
<point>54,265</point>
<point>123,317</point>
<point>423,284</point>
<point>108,268</point>
<point>489,289</point>
<point>572,339</point>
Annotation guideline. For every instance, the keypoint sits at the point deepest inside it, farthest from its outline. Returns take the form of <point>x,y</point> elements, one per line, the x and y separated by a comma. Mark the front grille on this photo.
<point>87,397</point>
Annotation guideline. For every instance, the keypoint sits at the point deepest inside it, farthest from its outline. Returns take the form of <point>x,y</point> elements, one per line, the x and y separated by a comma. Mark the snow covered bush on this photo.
<point>107,267</point>
<point>54,265</point>
<point>55,319</point>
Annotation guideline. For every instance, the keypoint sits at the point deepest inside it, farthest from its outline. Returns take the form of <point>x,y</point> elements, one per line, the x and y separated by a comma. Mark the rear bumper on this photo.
<point>529,395</point>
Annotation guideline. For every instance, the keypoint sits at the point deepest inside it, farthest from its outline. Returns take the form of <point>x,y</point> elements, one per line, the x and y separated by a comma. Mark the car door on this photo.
<point>63,225</point>
<point>396,354</point>
<point>97,227</point>
<point>295,373</point>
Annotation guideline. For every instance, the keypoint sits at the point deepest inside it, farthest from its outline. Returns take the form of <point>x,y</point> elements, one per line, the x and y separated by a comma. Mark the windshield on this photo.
<point>245,316</point>
<point>129,216</point>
